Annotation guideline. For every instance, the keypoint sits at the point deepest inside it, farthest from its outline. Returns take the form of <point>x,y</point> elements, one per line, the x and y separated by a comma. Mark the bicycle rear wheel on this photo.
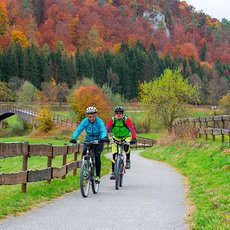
<point>117,173</point>
<point>95,186</point>
<point>85,178</point>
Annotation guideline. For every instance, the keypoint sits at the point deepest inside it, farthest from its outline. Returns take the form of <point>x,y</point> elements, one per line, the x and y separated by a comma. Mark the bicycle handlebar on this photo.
<point>120,142</point>
<point>89,142</point>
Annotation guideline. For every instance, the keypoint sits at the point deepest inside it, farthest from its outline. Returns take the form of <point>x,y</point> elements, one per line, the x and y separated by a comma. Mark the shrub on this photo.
<point>44,119</point>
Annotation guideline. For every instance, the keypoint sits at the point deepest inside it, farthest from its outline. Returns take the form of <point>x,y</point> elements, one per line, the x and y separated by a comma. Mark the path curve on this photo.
<point>152,198</point>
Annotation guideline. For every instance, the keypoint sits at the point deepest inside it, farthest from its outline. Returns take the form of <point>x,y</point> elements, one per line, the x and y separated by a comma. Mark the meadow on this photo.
<point>203,164</point>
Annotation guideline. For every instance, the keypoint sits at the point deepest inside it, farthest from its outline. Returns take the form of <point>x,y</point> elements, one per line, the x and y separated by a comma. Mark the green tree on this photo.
<point>203,52</point>
<point>27,94</point>
<point>166,98</point>
<point>62,92</point>
<point>38,8</point>
<point>225,103</point>
<point>5,92</point>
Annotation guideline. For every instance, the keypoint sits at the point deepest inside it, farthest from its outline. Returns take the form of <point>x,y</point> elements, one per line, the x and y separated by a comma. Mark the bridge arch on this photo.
<point>25,113</point>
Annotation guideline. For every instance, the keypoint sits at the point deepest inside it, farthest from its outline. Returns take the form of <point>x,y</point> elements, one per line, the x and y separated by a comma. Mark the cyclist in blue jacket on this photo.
<point>95,130</point>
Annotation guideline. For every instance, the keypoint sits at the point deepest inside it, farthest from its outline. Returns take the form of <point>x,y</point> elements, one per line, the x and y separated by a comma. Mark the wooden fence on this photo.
<point>212,125</point>
<point>26,151</point>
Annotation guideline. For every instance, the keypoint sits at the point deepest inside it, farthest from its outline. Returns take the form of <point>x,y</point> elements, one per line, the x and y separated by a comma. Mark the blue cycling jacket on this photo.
<point>94,130</point>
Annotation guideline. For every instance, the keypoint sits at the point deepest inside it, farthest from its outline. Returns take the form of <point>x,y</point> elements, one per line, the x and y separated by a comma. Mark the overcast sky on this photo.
<point>215,8</point>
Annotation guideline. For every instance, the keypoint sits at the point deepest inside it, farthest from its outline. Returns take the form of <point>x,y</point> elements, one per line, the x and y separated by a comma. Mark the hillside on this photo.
<point>172,26</point>
<point>117,43</point>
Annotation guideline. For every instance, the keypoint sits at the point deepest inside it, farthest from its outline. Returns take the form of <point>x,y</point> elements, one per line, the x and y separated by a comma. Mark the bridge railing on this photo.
<point>28,114</point>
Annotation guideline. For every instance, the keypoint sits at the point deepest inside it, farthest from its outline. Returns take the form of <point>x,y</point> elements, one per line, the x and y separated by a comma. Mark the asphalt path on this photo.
<point>152,198</point>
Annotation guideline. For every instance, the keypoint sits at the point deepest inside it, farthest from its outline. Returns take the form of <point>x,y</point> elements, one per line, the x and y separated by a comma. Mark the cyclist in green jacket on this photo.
<point>122,129</point>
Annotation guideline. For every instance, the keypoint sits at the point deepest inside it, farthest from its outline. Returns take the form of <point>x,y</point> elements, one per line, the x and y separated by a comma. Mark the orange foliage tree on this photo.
<point>90,95</point>
<point>3,18</point>
<point>19,37</point>
<point>187,50</point>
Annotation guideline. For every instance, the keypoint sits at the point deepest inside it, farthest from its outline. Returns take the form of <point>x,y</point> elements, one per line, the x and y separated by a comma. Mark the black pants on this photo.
<point>98,148</point>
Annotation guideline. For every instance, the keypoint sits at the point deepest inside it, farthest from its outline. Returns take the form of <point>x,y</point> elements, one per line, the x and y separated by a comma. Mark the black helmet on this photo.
<point>119,109</point>
<point>91,110</point>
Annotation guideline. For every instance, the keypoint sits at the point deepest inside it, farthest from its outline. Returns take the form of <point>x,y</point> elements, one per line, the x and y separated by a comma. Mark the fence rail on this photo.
<point>26,151</point>
<point>211,125</point>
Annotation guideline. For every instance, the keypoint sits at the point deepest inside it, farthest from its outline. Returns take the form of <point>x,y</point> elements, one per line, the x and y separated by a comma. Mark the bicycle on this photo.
<point>119,168</point>
<point>88,169</point>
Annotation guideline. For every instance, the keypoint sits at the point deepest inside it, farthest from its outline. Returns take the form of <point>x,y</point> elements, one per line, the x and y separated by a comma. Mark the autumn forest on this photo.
<point>118,42</point>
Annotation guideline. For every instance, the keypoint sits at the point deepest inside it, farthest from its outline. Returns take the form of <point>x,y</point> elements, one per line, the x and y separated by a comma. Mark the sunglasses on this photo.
<point>119,113</point>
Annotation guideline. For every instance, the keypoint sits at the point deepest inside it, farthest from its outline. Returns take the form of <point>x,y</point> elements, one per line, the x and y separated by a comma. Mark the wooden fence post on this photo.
<point>213,136</point>
<point>25,149</point>
<point>75,159</point>
<point>64,160</point>
<point>222,138</point>
<point>49,163</point>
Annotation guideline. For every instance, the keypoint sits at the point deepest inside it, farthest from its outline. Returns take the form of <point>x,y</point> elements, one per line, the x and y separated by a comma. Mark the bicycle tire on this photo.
<point>121,173</point>
<point>95,186</point>
<point>85,178</point>
<point>117,173</point>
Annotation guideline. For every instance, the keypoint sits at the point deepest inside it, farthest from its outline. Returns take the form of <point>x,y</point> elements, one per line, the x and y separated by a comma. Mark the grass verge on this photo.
<point>207,167</point>
<point>13,201</point>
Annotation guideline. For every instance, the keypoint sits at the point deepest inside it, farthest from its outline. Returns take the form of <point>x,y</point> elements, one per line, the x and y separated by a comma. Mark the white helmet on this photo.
<point>91,110</point>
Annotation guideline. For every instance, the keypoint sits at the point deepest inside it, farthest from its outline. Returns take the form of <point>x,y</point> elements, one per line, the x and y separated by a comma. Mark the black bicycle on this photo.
<point>88,170</point>
<point>119,168</point>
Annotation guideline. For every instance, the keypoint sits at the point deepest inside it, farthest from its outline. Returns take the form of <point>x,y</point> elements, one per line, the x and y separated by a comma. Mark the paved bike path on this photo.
<point>152,198</point>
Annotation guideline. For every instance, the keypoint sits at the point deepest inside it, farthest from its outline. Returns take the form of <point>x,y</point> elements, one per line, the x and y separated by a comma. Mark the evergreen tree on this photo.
<point>100,72</point>
<point>38,8</point>
<point>192,64</point>
<point>31,67</point>
<point>203,52</point>
<point>80,64</point>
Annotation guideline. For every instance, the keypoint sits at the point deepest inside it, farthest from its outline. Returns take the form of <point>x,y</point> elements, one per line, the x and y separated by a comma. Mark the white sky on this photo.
<point>215,8</point>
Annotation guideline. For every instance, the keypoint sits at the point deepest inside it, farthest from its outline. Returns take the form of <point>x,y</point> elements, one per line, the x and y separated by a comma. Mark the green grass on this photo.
<point>53,140</point>
<point>200,112</point>
<point>207,167</point>
<point>155,136</point>
<point>13,201</point>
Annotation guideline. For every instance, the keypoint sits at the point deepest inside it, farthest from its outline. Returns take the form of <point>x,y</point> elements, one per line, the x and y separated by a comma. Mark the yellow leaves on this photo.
<point>53,82</point>
<point>93,39</point>
<point>116,48</point>
<point>3,18</point>
<point>44,118</point>
<point>19,37</point>
<point>72,27</point>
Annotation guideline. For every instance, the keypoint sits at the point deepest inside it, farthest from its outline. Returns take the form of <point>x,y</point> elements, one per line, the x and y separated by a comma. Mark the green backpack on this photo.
<point>124,119</point>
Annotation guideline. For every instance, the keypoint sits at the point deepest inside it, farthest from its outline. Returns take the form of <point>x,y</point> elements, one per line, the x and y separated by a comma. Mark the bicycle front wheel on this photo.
<point>85,178</point>
<point>117,172</point>
<point>121,173</point>
<point>95,186</point>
